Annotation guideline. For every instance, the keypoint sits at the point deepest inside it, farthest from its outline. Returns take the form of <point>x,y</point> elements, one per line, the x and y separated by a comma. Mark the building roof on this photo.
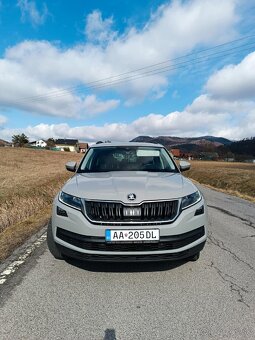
<point>83,145</point>
<point>66,141</point>
<point>176,152</point>
<point>4,142</point>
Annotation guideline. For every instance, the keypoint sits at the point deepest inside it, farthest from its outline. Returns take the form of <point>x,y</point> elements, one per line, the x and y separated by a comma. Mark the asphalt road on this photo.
<point>213,298</point>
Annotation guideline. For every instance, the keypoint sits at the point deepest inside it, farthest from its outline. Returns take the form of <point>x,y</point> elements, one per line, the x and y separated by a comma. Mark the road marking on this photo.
<point>11,269</point>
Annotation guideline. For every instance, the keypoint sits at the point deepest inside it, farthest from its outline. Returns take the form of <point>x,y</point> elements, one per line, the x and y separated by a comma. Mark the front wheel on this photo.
<point>52,244</point>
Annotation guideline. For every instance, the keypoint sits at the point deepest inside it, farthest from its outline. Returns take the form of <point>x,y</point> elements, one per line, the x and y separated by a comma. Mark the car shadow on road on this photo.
<point>125,267</point>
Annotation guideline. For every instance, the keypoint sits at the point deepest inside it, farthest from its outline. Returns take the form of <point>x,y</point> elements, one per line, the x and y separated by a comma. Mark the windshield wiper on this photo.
<point>160,170</point>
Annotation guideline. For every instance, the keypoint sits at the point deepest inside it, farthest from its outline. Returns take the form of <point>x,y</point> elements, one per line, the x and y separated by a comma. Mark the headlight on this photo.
<point>190,200</point>
<point>72,201</point>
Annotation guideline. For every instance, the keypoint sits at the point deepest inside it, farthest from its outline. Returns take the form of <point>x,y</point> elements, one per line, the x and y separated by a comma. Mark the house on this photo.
<point>83,147</point>
<point>67,145</point>
<point>176,153</point>
<point>4,143</point>
<point>41,143</point>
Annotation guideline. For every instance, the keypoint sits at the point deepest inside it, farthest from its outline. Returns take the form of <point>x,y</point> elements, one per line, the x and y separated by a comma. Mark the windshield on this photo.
<point>135,158</point>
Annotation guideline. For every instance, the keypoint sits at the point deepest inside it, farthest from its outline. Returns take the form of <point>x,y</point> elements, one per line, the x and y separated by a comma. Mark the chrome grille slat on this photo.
<point>158,211</point>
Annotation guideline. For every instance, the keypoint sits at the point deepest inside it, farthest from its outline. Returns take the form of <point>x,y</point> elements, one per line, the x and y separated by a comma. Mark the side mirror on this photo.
<point>71,166</point>
<point>184,166</point>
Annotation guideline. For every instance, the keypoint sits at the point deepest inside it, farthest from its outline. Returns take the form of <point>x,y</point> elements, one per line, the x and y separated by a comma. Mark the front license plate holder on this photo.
<point>132,235</point>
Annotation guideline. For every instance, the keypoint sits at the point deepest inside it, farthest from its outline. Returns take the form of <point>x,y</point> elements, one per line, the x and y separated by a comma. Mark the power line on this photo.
<point>145,74</point>
<point>151,73</point>
<point>101,83</point>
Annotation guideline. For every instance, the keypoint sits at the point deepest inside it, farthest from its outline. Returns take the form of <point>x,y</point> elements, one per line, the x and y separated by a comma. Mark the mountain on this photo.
<point>143,139</point>
<point>220,140</point>
<point>187,144</point>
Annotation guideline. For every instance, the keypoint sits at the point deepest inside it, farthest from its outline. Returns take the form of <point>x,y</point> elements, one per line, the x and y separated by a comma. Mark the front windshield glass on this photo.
<point>120,158</point>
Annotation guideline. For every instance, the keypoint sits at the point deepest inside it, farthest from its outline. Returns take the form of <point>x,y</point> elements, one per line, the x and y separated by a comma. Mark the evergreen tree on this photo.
<point>20,140</point>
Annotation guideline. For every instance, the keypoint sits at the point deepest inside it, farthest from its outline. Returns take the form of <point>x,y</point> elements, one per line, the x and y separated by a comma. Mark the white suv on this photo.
<point>128,202</point>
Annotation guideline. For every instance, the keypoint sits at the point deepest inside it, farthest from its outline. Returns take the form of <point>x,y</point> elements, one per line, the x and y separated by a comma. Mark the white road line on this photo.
<point>11,269</point>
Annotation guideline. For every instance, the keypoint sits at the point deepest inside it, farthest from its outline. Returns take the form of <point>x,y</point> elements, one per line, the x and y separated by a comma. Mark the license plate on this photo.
<point>134,235</point>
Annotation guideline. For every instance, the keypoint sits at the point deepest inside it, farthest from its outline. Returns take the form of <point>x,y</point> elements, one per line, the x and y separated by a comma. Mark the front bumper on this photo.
<point>131,258</point>
<point>76,237</point>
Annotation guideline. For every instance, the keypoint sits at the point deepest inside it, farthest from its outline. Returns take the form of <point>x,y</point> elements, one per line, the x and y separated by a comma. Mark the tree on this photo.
<point>224,151</point>
<point>20,140</point>
<point>50,142</point>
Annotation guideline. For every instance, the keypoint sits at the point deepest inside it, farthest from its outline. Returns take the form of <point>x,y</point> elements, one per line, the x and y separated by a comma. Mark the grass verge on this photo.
<point>29,180</point>
<point>237,179</point>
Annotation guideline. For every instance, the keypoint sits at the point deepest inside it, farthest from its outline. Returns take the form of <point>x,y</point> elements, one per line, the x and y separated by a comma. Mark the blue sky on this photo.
<point>51,52</point>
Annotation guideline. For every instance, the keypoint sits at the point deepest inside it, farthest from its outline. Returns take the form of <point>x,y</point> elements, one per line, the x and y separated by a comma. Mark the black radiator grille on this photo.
<point>114,211</point>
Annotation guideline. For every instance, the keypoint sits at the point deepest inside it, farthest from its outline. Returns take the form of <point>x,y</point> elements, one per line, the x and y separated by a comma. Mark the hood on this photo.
<point>117,185</point>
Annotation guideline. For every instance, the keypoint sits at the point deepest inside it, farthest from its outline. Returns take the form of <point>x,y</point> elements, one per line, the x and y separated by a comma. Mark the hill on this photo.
<point>185,143</point>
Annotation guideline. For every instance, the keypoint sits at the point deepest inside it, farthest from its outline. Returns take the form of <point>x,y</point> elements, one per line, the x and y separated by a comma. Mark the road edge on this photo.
<point>20,254</point>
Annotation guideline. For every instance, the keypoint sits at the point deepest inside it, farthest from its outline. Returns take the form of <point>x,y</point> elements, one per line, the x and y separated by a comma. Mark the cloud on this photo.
<point>91,105</point>
<point>231,115</point>
<point>97,29</point>
<point>36,68</point>
<point>175,123</point>
<point>30,12</point>
<point>209,104</point>
<point>231,92</point>
<point>3,120</point>
<point>234,82</point>
<point>192,121</point>
<point>15,82</point>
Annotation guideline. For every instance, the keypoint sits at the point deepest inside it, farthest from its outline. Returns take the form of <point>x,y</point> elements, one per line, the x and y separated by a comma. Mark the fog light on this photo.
<point>61,212</point>
<point>200,211</point>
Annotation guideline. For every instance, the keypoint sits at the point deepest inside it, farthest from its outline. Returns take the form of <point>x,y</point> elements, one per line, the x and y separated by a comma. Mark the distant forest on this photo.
<point>245,146</point>
<point>243,149</point>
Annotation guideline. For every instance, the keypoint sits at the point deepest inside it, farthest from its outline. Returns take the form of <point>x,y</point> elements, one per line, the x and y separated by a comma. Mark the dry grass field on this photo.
<point>29,179</point>
<point>235,178</point>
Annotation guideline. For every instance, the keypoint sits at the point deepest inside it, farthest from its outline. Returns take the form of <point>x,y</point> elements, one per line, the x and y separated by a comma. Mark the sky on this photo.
<point>114,70</point>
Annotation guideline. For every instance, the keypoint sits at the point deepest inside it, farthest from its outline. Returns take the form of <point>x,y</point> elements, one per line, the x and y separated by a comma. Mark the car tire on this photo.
<point>195,257</point>
<point>52,244</point>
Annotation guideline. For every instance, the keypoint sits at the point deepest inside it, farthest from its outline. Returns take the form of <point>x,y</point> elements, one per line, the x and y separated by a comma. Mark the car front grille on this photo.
<point>160,211</point>
<point>99,243</point>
